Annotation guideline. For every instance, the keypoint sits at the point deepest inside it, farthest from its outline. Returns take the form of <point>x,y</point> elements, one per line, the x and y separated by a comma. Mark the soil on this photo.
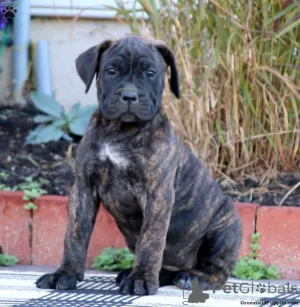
<point>55,162</point>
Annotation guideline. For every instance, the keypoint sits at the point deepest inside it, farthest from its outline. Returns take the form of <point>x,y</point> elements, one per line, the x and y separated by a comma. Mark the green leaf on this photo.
<point>3,175</point>
<point>281,13</point>
<point>253,269</point>
<point>255,237</point>
<point>255,246</point>
<point>257,275</point>
<point>114,259</point>
<point>43,181</point>
<point>44,134</point>
<point>4,187</point>
<point>59,123</point>
<point>74,110</point>
<point>30,206</point>
<point>220,132</point>
<point>38,119</point>
<point>247,97</point>
<point>8,260</point>
<point>87,112</point>
<point>289,27</point>
<point>78,126</point>
<point>67,137</point>
<point>46,104</point>
<point>106,258</point>
<point>32,137</point>
<point>42,192</point>
<point>272,272</point>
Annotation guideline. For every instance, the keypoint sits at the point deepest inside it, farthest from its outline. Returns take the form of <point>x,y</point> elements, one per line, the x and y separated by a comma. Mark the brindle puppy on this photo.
<point>165,202</point>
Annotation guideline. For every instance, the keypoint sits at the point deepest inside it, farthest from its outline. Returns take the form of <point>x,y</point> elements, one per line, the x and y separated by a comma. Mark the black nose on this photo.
<point>130,96</point>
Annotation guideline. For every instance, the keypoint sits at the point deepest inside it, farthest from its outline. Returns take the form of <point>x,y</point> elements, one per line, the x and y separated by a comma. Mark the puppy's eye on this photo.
<point>150,73</point>
<point>111,71</point>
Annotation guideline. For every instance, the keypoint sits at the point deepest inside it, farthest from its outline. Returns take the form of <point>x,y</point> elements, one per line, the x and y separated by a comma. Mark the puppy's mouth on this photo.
<point>128,111</point>
<point>128,117</point>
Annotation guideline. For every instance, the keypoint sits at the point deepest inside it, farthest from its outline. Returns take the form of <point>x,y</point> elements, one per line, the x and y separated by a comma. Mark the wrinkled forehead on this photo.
<point>133,48</point>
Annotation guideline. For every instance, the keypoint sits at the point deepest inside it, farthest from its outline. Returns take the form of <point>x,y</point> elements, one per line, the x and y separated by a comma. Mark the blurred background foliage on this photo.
<point>239,65</point>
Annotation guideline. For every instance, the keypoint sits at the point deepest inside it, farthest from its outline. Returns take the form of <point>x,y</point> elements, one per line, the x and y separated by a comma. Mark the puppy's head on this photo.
<point>130,76</point>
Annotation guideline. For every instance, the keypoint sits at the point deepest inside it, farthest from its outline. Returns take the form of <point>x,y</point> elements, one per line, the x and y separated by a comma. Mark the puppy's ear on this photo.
<point>87,63</point>
<point>170,61</point>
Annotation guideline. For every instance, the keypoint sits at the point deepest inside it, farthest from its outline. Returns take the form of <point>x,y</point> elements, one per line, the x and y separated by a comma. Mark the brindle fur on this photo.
<point>172,213</point>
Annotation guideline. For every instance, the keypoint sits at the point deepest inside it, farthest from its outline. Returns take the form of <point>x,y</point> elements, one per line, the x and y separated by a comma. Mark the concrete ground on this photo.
<point>17,288</point>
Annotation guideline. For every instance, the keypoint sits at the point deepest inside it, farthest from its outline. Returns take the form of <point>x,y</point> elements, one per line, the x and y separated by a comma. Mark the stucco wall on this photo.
<point>67,40</point>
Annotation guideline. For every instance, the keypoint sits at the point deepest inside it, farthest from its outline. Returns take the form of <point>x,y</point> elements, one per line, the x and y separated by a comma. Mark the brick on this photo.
<point>15,223</point>
<point>49,228</point>
<point>247,213</point>
<point>280,239</point>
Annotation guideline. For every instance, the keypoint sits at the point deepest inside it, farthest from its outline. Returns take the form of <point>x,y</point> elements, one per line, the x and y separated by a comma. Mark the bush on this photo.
<point>114,259</point>
<point>7,260</point>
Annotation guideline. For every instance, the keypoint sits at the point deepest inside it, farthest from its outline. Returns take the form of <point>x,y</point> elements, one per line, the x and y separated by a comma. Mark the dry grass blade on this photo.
<point>289,193</point>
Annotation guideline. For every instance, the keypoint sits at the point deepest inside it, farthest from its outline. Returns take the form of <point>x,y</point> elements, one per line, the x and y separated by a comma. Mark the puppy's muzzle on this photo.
<point>129,95</point>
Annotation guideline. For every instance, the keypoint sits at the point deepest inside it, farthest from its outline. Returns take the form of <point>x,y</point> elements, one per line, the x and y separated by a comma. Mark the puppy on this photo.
<point>172,213</point>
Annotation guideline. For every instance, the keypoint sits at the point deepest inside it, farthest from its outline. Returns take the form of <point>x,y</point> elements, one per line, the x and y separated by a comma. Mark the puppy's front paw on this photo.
<point>138,286</point>
<point>59,281</point>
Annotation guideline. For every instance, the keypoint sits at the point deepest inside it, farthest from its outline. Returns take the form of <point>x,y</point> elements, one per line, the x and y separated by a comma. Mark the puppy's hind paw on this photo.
<point>122,275</point>
<point>184,280</point>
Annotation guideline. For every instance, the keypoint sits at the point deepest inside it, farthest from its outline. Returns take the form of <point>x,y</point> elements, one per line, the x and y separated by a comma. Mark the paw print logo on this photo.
<point>9,12</point>
<point>260,288</point>
<point>8,9</point>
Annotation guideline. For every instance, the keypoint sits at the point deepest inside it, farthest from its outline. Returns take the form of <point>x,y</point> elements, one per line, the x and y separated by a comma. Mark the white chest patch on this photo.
<point>110,152</point>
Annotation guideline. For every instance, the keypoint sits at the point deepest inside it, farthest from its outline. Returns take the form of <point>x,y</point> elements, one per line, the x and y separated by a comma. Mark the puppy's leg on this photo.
<point>83,208</point>
<point>217,254</point>
<point>144,277</point>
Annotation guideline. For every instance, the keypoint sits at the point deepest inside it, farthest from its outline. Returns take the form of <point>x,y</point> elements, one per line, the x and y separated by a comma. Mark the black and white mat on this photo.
<point>17,288</point>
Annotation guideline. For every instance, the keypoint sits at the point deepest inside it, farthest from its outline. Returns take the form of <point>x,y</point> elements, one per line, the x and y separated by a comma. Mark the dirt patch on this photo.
<point>268,192</point>
<point>55,162</point>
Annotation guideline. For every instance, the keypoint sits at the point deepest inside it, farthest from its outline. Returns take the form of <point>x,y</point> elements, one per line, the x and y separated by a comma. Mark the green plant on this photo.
<point>3,176</point>
<point>251,268</point>
<point>238,63</point>
<point>112,259</point>
<point>4,187</point>
<point>32,190</point>
<point>57,123</point>
<point>8,260</point>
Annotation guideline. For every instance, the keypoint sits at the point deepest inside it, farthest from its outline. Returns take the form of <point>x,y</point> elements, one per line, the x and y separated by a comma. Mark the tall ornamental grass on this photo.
<point>239,64</point>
